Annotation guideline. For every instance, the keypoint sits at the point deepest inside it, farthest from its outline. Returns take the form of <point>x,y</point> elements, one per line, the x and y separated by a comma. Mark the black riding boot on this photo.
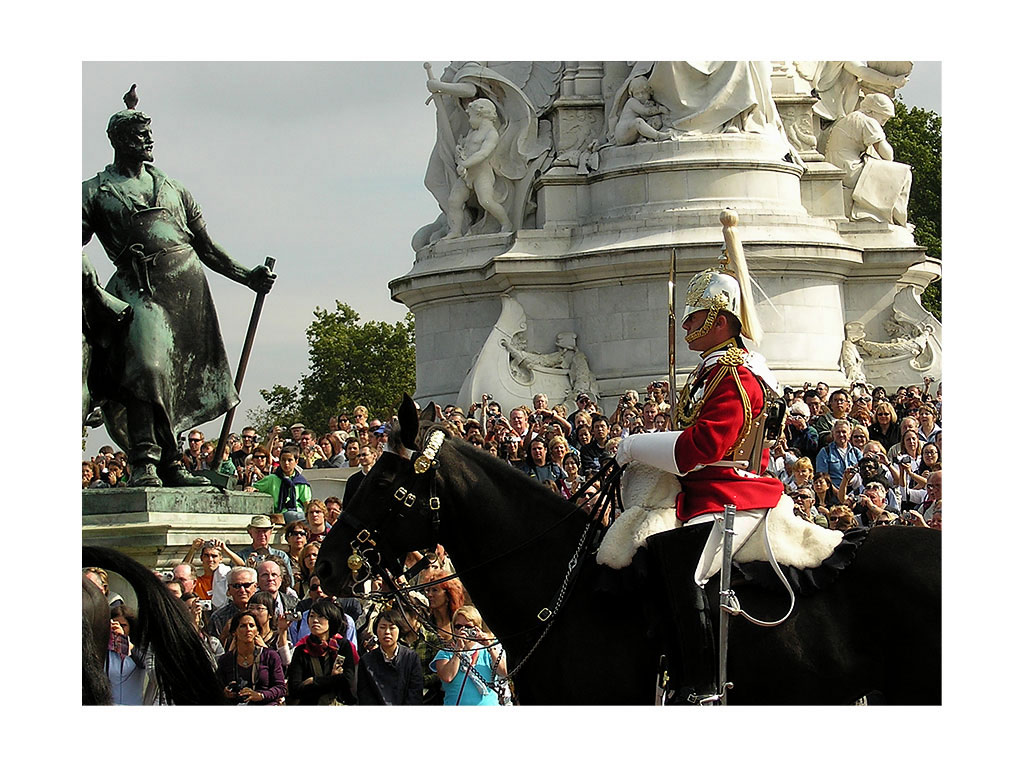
<point>689,634</point>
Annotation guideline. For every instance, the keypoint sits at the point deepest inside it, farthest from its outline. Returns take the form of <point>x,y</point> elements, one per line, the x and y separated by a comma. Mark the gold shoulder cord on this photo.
<point>727,366</point>
<point>687,414</point>
<point>748,416</point>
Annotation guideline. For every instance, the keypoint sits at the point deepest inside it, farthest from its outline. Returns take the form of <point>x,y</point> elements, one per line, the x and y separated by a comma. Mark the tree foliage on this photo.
<point>282,408</point>
<point>916,139</point>
<point>350,364</point>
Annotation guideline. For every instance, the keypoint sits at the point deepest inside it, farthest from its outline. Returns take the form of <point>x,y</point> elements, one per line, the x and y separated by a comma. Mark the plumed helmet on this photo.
<point>712,290</point>
<point>725,288</point>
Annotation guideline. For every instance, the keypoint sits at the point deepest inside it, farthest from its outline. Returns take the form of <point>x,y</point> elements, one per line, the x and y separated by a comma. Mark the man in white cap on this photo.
<point>721,414</point>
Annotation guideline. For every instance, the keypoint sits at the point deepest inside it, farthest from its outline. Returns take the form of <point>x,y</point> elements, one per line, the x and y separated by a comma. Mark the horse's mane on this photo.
<point>527,491</point>
<point>514,482</point>
<point>183,669</point>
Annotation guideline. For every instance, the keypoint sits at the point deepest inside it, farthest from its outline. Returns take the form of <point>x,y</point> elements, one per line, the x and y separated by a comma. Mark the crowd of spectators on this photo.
<point>275,639</point>
<point>848,457</point>
<point>863,457</point>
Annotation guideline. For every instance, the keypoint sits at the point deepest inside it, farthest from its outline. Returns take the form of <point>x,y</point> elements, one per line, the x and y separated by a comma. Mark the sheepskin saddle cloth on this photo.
<point>648,498</point>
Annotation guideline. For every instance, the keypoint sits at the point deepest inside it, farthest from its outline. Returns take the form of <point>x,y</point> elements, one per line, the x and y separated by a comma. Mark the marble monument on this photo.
<point>565,187</point>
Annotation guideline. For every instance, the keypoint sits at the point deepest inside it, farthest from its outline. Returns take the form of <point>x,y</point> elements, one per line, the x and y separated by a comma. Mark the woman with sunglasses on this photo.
<point>255,468</point>
<point>841,518</point>
<point>886,427</point>
<point>859,437</point>
<point>472,647</point>
<point>250,672</point>
<point>296,538</point>
<point>323,666</point>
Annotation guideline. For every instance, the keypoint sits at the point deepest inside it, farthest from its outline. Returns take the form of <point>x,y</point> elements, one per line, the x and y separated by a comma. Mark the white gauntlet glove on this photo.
<point>656,449</point>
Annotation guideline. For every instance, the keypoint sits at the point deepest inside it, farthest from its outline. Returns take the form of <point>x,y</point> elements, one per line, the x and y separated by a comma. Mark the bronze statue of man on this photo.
<point>169,372</point>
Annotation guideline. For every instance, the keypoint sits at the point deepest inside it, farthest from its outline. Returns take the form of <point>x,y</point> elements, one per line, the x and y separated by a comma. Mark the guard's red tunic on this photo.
<point>712,438</point>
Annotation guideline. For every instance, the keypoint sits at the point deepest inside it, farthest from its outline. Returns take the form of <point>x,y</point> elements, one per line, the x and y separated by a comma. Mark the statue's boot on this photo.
<point>175,475</point>
<point>144,476</point>
<point>691,651</point>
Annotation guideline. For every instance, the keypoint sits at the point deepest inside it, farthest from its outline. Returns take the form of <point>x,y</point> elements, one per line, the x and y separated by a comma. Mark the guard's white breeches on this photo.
<point>710,561</point>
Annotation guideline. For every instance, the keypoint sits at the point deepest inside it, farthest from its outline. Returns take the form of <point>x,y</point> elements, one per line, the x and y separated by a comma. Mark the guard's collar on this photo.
<point>722,348</point>
<point>753,361</point>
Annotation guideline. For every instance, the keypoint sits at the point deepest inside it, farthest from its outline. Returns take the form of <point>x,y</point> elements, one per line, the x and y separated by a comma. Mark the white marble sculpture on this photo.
<point>800,132</point>
<point>641,115</point>
<point>879,187</point>
<point>495,372</point>
<point>914,346</point>
<point>840,85</point>
<point>519,92</point>
<point>708,96</point>
<point>850,359</point>
<point>592,256</point>
<point>474,163</point>
<point>566,357</point>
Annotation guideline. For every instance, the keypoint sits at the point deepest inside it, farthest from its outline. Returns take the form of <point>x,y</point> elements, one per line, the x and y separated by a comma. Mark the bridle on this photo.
<point>421,498</point>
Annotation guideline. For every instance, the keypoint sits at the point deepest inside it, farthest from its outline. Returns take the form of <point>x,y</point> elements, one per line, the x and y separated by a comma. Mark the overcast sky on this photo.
<point>318,164</point>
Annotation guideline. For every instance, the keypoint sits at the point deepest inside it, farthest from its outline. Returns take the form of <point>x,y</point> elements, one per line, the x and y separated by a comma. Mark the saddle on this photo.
<point>648,497</point>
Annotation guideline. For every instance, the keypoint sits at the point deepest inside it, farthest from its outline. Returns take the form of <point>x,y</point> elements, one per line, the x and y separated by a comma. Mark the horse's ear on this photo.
<point>432,413</point>
<point>408,419</point>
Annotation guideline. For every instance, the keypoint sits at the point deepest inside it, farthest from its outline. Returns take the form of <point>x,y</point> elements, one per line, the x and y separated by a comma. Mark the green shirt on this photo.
<point>272,484</point>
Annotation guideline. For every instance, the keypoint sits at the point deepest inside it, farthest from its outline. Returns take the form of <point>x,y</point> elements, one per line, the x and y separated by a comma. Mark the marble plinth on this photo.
<point>156,526</point>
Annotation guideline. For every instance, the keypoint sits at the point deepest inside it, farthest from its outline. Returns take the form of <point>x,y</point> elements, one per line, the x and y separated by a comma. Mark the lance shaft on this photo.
<point>243,363</point>
<point>672,340</point>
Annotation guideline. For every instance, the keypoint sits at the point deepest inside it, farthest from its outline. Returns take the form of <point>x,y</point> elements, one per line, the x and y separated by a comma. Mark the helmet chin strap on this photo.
<point>705,329</point>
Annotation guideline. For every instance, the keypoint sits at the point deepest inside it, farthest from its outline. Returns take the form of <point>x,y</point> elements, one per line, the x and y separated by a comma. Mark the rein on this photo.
<point>366,554</point>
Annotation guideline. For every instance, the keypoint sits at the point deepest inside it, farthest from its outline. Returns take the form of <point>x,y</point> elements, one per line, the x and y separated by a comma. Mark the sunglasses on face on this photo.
<point>242,585</point>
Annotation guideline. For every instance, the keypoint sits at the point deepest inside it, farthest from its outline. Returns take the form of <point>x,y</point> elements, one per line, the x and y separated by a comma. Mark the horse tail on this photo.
<point>183,670</point>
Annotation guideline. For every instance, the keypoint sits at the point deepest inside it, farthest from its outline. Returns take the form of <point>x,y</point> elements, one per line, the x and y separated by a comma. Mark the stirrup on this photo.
<point>709,699</point>
<point>704,701</point>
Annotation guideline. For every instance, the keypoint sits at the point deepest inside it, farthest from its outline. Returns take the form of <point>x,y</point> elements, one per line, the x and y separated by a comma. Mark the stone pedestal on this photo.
<point>156,526</point>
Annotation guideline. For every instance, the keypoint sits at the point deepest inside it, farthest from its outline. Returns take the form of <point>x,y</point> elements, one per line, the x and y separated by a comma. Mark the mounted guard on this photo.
<point>718,454</point>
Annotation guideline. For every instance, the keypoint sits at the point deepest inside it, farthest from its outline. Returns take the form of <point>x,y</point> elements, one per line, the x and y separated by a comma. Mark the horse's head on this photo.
<point>396,509</point>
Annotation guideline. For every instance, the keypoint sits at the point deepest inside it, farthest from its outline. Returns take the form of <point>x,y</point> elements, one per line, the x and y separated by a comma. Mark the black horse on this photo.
<point>876,628</point>
<point>183,669</point>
